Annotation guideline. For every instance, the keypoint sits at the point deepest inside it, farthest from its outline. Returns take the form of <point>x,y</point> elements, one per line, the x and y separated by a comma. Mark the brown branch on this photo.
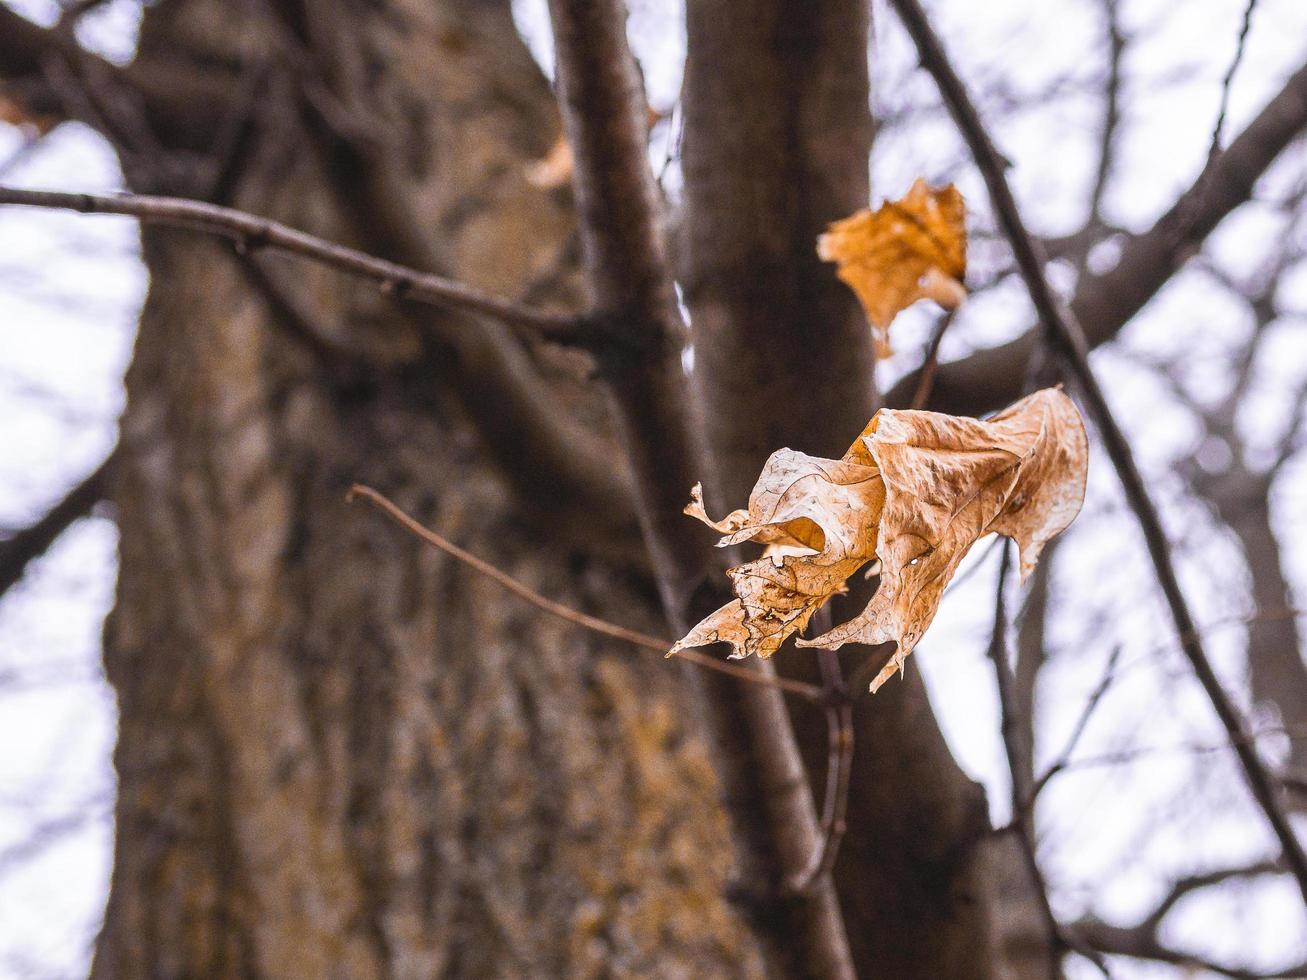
<point>626,262</point>
<point>1227,83</point>
<point>989,379</point>
<point>1063,336</point>
<point>836,697</point>
<point>1018,754</point>
<point>1142,940</point>
<point>1293,733</point>
<point>184,103</point>
<point>1082,723</point>
<point>22,547</point>
<point>1116,45</point>
<point>926,373</point>
<point>251,233</point>
<point>594,623</point>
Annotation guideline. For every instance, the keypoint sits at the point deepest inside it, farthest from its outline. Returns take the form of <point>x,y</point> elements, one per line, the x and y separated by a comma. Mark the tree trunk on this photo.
<point>778,133</point>
<point>342,754</point>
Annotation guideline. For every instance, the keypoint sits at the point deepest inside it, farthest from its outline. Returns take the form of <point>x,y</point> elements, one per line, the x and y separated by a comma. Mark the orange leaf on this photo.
<point>911,249</point>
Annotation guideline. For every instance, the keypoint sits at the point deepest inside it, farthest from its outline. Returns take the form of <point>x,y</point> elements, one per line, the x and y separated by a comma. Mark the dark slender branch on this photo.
<point>1126,756</point>
<point>1082,723</point>
<point>593,623</point>
<point>926,375</point>
<point>604,120</point>
<point>1018,756</point>
<point>837,700</point>
<point>989,379</point>
<point>1142,940</point>
<point>1063,336</point>
<point>1228,82</point>
<point>183,102</point>
<point>1116,44</point>
<point>22,547</point>
<point>251,233</point>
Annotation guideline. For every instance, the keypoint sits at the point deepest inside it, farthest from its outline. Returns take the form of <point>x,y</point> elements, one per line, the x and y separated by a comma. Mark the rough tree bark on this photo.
<point>777,137</point>
<point>341,755</point>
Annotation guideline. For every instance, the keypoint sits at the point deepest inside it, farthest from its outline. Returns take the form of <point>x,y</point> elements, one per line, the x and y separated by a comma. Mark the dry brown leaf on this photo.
<point>914,491</point>
<point>911,249</point>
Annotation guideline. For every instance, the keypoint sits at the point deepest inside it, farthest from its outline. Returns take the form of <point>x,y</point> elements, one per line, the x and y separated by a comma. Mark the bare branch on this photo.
<point>926,375</point>
<point>1116,45</point>
<point>1018,757</point>
<point>1103,304</point>
<point>626,259</point>
<point>1227,83</point>
<point>837,700</point>
<point>594,623</point>
<point>19,549</point>
<point>1086,713</point>
<point>1142,940</point>
<point>251,233</point>
<point>1063,336</point>
<point>184,103</point>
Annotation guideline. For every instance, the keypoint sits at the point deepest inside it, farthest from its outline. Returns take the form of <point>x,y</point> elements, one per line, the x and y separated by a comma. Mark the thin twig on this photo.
<point>1109,675</point>
<point>20,548</point>
<point>839,769</point>
<point>926,379</point>
<point>251,232</point>
<point>1016,756</point>
<point>1063,335</point>
<point>1116,44</point>
<point>1143,941</point>
<point>1227,83</point>
<point>808,691</point>
<point>1127,756</point>
<point>1061,938</point>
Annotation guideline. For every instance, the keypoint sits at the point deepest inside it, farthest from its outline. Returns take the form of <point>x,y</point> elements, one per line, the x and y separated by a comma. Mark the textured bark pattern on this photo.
<point>777,138</point>
<point>342,755</point>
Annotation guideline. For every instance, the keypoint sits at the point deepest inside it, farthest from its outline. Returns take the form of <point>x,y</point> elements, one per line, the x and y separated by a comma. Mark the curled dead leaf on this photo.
<point>910,249</point>
<point>913,492</point>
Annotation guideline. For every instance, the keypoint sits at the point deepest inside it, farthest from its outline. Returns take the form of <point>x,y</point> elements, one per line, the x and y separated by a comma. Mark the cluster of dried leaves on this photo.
<point>913,492</point>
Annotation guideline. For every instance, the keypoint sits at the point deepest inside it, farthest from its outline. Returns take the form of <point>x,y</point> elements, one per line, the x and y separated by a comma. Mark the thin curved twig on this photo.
<point>838,702</point>
<point>379,500</point>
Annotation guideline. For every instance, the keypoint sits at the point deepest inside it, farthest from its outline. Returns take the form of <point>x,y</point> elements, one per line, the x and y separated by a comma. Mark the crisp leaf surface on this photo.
<point>910,249</point>
<point>914,492</point>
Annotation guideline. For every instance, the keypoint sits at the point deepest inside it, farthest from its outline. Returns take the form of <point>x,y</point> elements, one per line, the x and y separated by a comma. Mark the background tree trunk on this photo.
<point>340,753</point>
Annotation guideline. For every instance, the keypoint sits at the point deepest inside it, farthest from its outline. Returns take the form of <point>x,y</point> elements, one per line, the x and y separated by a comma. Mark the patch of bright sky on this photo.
<point>70,290</point>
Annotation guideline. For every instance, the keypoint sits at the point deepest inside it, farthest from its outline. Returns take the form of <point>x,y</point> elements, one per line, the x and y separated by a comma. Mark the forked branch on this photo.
<point>1062,335</point>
